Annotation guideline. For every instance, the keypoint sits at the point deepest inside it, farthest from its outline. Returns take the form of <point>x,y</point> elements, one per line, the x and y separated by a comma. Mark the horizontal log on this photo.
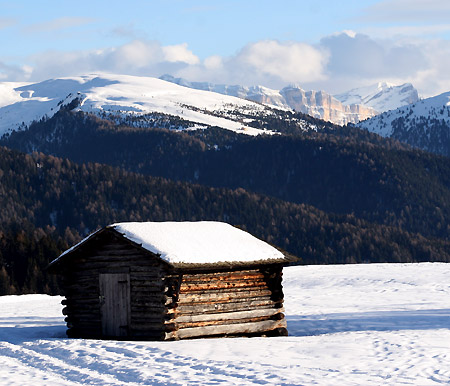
<point>145,281</point>
<point>229,315</point>
<point>153,315</point>
<point>220,273</point>
<point>218,284</point>
<point>72,319</point>
<point>147,326</point>
<point>179,326</point>
<point>235,277</point>
<point>85,325</point>
<point>118,252</point>
<point>241,302</point>
<point>152,287</point>
<point>75,317</point>
<point>141,303</point>
<point>232,329</point>
<point>224,307</point>
<point>150,295</point>
<point>91,265</point>
<point>148,274</point>
<point>208,297</point>
<point>137,268</point>
<point>73,294</point>
<point>224,286</point>
<point>82,289</point>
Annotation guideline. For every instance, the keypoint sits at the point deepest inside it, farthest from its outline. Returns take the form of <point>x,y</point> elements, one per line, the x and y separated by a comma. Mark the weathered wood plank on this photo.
<point>194,276</point>
<point>179,326</point>
<point>205,279</point>
<point>231,329</point>
<point>229,315</point>
<point>218,284</point>
<point>209,296</point>
<point>224,307</point>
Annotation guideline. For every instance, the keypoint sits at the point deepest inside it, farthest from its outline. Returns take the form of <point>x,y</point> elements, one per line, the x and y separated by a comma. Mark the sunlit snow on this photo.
<point>378,324</point>
<point>24,103</point>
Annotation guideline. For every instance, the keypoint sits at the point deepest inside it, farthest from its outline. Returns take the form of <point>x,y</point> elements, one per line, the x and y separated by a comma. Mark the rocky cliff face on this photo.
<point>320,104</point>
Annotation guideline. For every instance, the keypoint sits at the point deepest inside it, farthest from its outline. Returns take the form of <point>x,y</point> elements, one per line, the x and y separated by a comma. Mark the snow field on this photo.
<point>123,94</point>
<point>378,324</point>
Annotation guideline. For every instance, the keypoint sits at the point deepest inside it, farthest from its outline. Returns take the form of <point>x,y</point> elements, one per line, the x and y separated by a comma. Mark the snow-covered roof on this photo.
<point>195,243</point>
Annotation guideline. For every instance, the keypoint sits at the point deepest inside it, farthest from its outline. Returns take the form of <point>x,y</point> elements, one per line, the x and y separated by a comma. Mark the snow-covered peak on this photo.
<point>434,108</point>
<point>20,104</point>
<point>382,96</point>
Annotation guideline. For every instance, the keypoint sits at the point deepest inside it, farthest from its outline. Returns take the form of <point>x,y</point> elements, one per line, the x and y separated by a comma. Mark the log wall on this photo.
<point>82,292</point>
<point>235,303</point>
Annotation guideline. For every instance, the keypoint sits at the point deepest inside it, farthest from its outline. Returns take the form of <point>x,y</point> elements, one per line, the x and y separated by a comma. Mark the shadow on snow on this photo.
<point>306,325</point>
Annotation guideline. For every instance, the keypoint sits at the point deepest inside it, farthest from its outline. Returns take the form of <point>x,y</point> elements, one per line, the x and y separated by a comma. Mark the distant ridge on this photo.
<point>424,124</point>
<point>350,107</point>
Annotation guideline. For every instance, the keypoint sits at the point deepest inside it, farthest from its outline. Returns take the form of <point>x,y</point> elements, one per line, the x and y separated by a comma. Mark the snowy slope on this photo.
<point>378,324</point>
<point>258,94</point>
<point>381,96</point>
<point>121,94</point>
<point>437,108</point>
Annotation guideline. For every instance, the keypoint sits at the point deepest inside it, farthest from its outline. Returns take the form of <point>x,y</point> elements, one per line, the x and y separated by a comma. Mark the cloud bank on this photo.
<point>336,63</point>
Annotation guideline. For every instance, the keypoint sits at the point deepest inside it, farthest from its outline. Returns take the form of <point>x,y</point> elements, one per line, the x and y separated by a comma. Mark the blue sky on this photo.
<point>326,45</point>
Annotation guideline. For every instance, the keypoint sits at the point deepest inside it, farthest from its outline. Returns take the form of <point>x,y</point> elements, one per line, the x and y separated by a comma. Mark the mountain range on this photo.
<point>349,107</point>
<point>384,109</point>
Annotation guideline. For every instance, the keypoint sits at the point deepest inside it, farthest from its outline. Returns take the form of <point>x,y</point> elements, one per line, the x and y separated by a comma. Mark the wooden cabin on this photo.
<point>172,280</point>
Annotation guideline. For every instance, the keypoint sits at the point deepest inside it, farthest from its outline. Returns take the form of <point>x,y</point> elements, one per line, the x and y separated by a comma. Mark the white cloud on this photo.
<point>12,72</point>
<point>290,62</point>
<point>268,62</point>
<point>180,53</point>
<point>363,57</point>
<point>213,62</point>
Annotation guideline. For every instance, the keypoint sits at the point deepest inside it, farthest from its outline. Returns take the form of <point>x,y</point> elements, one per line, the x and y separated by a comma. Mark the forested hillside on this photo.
<point>49,203</point>
<point>338,170</point>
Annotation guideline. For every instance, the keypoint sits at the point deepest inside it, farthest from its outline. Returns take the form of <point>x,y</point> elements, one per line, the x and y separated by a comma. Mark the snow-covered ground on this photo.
<point>379,324</point>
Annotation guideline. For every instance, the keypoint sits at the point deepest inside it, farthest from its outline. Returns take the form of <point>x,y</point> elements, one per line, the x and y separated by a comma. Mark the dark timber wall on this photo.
<point>115,289</point>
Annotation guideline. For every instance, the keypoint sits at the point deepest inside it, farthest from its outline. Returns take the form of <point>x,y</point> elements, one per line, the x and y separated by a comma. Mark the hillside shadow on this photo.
<point>307,325</point>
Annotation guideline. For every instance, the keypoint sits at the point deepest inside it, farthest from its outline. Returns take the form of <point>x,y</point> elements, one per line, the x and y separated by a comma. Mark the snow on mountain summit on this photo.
<point>20,104</point>
<point>382,96</point>
<point>434,108</point>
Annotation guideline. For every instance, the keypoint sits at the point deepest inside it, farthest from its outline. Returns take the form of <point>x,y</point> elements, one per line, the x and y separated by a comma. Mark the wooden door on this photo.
<point>115,303</point>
